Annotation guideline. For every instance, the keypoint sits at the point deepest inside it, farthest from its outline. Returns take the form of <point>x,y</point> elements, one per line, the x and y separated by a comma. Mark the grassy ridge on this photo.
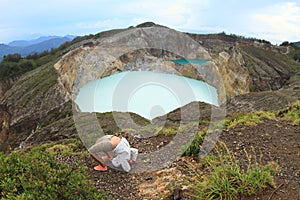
<point>37,175</point>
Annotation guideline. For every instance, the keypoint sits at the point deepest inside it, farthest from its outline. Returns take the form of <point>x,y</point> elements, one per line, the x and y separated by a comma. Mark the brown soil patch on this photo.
<point>275,140</point>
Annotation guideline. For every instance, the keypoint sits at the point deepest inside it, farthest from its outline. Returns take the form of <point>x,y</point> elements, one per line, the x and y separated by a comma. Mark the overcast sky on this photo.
<point>272,20</point>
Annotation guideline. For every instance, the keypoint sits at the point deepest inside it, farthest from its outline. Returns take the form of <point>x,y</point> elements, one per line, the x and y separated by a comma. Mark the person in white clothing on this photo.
<point>113,145</point>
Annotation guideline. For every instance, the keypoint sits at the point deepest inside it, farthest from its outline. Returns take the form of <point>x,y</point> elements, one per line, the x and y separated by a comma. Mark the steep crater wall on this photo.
<point>31,110</point>
<point>152,49</point>
<point>36,107</point>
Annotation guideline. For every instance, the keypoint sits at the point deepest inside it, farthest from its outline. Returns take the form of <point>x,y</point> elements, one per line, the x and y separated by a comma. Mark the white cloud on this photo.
<point>102,24</point>
<point>197,15</point>
<point>279,22</point>
<point>173,13</point>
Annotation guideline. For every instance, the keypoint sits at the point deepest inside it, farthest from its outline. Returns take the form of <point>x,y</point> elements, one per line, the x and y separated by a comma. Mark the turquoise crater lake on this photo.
<point>145,93</point>
<point>184,61</point>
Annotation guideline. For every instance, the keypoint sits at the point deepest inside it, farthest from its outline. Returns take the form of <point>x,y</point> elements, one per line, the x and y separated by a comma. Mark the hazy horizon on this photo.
<point>272,20</point>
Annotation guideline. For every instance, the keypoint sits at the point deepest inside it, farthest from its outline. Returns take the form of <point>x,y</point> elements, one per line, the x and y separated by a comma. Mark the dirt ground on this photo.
<point>275,140</point>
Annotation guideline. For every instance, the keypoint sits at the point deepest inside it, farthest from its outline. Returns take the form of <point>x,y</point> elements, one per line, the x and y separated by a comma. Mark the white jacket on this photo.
<point>124,154</point>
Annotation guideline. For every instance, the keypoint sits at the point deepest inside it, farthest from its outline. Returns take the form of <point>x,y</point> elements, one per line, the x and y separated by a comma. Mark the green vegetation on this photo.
<point>296,56</point>
<point>194,147</point>
<point>291,113</point>
<point>291,59</point>
<point>239,37</point>
<point>67,147</point>
<point>251,54</point>
<point>38,175</point>
<point>221,175</point>
<point>225,179</point>
<point>248,119</point>
<point>296,53</point>
<point>236,38</point>
<point>43,79</point>
<point>171,130</point>
<point>13,66</point>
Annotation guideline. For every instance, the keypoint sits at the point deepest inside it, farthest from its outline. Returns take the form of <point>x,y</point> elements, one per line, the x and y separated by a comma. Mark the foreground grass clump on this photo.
<point>194,147</point>
<point>291,113</point>
<point>37,175</point>
<point>248,119</point>
<point>225,179</point>
<point>245,119</point>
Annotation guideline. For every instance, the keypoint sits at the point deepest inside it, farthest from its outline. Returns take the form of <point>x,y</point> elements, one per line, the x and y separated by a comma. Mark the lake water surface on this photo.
<point>184,61</point>
<point>145,93</point>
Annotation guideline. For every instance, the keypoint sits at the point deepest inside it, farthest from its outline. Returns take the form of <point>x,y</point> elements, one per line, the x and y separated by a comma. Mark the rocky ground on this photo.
<point>275,140</point>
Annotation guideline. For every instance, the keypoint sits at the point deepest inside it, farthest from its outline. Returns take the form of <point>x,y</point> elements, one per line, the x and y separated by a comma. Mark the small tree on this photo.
<point>285,43</point>
<point>12,57</point>
<point>297,56</point>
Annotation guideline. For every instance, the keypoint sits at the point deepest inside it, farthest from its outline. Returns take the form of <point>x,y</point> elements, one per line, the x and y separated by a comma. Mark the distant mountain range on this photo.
<point>27,47</point>
<point>296,43</point>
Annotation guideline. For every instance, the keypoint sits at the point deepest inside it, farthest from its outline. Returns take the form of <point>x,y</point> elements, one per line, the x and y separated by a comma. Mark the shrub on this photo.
<point>225,179</point>
<point>37,175</point>
<point>10,68</point>
<point>296,56</point>
<point>193,148</point>
<point>12,57</point>
<point>172,130</point>
<point>291,113</point>
<point>285,43</point>
<point>248,119</point>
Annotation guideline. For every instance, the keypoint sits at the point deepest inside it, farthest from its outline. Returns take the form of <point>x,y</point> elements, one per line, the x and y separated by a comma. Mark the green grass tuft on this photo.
<point>225,179</point>
<point>248,119</point>
<point>291,113</point>
<point>37,175</point>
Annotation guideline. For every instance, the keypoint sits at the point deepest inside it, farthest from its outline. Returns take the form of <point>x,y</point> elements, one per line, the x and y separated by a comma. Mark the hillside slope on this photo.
<point>37,108</point>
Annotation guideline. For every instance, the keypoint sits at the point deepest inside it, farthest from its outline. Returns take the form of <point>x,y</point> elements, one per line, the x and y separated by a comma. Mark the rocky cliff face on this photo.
<point>37,107</point>
<point>32,108</point>
<point>268,66</point>
<point>134,49</point>
<point>4,128</point>
<point>268,72</point>
<point>6,85</point>
<point>152,49</point>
